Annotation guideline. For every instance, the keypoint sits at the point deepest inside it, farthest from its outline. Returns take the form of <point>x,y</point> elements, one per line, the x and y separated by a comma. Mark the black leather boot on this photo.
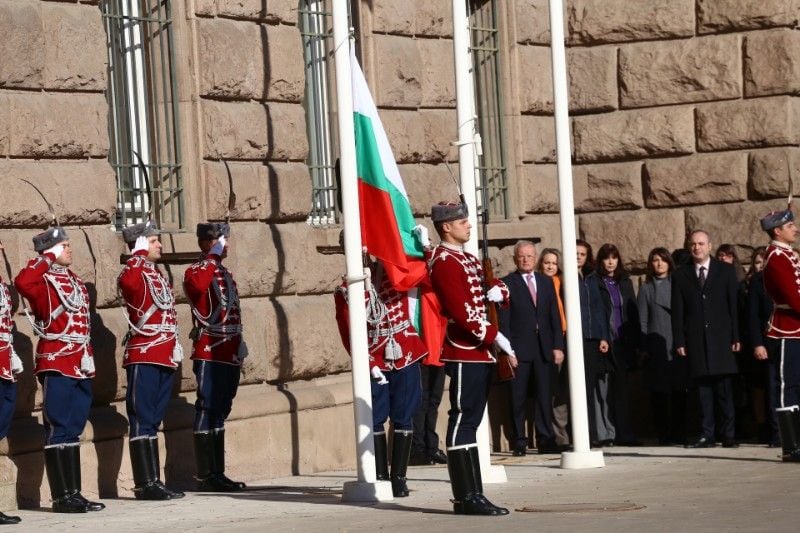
<point>7,520</point>
<point>155,465</point>
<point>381,457</point>
<point>73,475</point>
<point>401,452</point>
<point>144,476</point>
<point>789,428</point>
<point>219,463</point>
<point>205,457</point>
<point>55,465</point>
<point>466,484</point>
<point>474,458</point>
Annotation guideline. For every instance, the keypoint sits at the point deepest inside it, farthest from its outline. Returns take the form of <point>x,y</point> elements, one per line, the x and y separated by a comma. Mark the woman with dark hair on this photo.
<point>594,322</point>
<point>616,290</point>
<point>727,253</point>
<point>665,374</point>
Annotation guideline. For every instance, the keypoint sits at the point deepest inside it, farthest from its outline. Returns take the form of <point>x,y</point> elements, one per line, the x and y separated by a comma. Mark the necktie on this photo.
<point>702,277</point>
<point>531,288</point>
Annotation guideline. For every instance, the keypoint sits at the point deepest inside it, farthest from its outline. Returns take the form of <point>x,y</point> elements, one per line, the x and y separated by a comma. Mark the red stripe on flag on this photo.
<point>379,231</point>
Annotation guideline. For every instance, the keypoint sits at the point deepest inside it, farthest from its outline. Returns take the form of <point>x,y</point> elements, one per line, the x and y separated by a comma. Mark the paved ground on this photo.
<point>664,488</point>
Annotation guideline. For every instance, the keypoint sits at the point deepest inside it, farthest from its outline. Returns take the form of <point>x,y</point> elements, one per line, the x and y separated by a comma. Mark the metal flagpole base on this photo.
<point>367,492</point>
<point>578,460</point>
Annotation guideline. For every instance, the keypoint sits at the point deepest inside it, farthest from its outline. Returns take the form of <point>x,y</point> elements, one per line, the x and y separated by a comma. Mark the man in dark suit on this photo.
<point>533,325</point>
<point>705,329</point>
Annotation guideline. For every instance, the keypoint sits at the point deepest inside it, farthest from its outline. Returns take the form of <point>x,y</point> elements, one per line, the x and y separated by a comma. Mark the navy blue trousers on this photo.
<point>426,440</point>
<point>217,384</point>
<point>8,397</point>
<point>65,407</point>
<point>469,391</point>
<point>398,399</point>
<point>149,390</point>
<point>784,354</point>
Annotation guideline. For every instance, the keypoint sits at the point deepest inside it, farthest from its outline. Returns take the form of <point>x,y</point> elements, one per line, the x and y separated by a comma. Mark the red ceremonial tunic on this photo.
<point>782,283</point>
<point>214,298</point>
<point>457,278</point>
<point>394,343</point>
<point>152,321</point>
<point>60,305</point>
<point>6,333</point>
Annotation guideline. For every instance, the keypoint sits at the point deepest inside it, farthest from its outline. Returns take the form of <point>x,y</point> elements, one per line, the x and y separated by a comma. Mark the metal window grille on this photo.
<point>485,46</point>
<point>144,119</point>
<point>316,32</point>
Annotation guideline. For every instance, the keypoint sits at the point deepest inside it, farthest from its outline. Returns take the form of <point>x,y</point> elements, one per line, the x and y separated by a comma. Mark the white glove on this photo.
<point>142,244</point>
<point>495,294</point>
<point>422,234</point>
<point>503,343</point>
<point>16,363</point>
<point>56,250</point>
<point>377,374</point>
<point>87,364</point>
<point>177,353</point>
<point>218,246</point>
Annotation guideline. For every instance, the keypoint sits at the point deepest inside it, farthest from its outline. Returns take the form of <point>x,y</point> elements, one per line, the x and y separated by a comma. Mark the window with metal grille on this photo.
<point>143,119</point>
<point>316,30</point>
<point>485,45</point>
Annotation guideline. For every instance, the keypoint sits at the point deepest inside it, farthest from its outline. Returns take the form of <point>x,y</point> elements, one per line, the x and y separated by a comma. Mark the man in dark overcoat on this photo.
<point>705,330</point>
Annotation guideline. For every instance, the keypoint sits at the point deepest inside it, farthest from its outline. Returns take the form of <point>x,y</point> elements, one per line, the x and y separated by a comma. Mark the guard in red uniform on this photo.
<point>152,354</point>
<point>217,353</point>
<point>395,349</point>
<point>457,278</point>
<point>64,362</point>
<point>782,284</point>
<point>10,366</point>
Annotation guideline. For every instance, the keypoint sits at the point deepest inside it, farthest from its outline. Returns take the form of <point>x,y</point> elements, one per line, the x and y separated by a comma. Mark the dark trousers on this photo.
<point>65,407</point>
<point>561,406</point>
<point>669,415</point>
<point>716,394</point>
<point>620,406</point>
<point>8,397</point>
<point>784,354</point>
<point>540,374</point>
<point>217,384</point>
<point>773,397</point>
<point>149,390</point>
<point>398,399</point>
<point>469,390</point>
<point>426,440</point>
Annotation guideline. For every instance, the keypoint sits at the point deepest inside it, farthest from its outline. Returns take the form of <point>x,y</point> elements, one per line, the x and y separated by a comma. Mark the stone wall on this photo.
<point>683,114</point>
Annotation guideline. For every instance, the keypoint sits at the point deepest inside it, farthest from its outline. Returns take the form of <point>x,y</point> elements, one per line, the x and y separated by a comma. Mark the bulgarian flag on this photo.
<point>387,220</point>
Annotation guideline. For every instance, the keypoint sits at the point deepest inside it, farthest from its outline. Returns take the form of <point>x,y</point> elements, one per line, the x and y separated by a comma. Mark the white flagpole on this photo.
<point>582,456</point>
<point>467,135</point>
<point>366,488</point>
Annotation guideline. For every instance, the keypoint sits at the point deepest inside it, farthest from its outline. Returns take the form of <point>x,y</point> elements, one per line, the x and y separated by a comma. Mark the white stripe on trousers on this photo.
<point>783,384</point>
<point>458,406</point>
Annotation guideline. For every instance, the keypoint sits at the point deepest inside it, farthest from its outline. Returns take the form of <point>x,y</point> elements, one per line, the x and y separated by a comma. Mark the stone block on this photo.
<point>283,10</point>
<point>533,21</point>
<point>305,270</point>
<point>236,130</point>
<point>207,8</point>
<point>438,78</point>
<point>58,125</point>
<point>81,192</point>
<point>398,83</point>
<point>732,223</point>
<point>232,60</point>
<point>696,179</point>
<point>428,185</point>
<point>732,15</point>
<point>22,46</point>
<point>75,53</point>
<point>592,78</point>
<point>695,70</point>
<point>292,351</point>
<point>771,64</point>
<point>434,18</point>
<point>285,67</point>
<point>540,189</point>
<point>439,128</point>
<point>109,326</point>
<point>607,187</point>
<point>420,136</point>
<point>538,139</point>
<point>394,17</point>
<point>287,132</point>
<point>272,11</point>
<point>96,250</point>
<point>747,123</point>
<point>628,134</point>
<point>591,22</point>
<point>634,232</point>
<point>546,227</point>
<point>259,274</point>
<point>535,79</point>
<point>769,172</point>
<point>5,125</point>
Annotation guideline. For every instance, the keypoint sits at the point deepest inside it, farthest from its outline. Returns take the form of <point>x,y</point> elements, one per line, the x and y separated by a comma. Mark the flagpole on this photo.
<point>582,456</point>
<point>366,488</point>
<point>465,111</point>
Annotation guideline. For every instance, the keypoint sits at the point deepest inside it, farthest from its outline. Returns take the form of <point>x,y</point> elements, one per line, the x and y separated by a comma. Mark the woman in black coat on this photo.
<point>616,290</point>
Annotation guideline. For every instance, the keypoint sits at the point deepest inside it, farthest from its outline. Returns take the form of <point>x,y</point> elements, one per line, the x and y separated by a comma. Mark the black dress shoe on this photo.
<point>702,442</point>
<point>519,452</point>
<point>421,459</point>
<point>730,444</point>
<point>6,520</point>
<point>630,442</point>
<point>608,443</point>
<point>438,457</point>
